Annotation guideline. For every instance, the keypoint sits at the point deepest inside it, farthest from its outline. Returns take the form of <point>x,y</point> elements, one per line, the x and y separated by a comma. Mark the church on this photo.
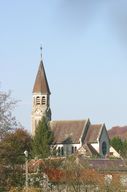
<point>70,136</point>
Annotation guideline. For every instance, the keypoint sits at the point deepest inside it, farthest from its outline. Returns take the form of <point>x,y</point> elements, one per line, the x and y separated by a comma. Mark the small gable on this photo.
<point>87,151</point>
<point>104,133</point>
<point>104,144</point>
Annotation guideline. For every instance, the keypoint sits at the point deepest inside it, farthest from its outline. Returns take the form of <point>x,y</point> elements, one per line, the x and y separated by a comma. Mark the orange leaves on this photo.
<point>83,176</point>
<point>55,175</point>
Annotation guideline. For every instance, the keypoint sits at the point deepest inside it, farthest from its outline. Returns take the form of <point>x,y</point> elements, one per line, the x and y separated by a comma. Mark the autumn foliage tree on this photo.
<point>13,145</point>
<point>7,120</point>
<point>75,177</point>
<point>12,148</point>
<point>79,177</point>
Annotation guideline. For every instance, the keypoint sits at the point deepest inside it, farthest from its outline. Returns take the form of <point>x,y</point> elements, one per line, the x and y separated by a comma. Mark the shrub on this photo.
<point>17,189</point>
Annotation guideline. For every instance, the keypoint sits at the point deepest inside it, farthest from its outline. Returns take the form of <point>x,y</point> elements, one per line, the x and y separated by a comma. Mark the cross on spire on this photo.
<point>41,50</point>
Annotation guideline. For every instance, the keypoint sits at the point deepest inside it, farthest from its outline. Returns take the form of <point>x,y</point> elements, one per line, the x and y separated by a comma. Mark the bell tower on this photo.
<point>41,97</point>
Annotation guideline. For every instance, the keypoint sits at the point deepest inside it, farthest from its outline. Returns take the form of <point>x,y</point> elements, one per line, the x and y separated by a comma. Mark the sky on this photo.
<point>84,53</point>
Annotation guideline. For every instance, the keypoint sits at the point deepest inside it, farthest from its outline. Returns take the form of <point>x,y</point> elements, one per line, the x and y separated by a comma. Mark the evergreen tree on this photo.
<point>42,139</point>
<point>120,146</point>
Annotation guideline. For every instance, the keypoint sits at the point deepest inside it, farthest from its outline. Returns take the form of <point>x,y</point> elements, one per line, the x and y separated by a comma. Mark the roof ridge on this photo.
<point>97,124</point>
<point>68,120</point>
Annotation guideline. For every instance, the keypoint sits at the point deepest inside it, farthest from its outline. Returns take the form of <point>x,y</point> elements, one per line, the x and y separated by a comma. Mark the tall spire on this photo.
<point>41,83</point>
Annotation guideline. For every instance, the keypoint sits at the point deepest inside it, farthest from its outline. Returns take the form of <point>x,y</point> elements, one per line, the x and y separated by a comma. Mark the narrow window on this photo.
<point>43,100</point>
<point>75,148</point>
<point>72,149</point>
<point>58,151</point>
<point>62,151</point>
<point>104,148</point>
<point>37,100</point>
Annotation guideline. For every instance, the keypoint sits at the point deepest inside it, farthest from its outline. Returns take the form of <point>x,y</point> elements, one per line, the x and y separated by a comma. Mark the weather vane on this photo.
<point>41,50</point>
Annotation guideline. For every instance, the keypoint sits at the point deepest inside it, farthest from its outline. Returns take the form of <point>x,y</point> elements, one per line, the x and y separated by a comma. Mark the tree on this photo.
<point>124,154</point>
<point>13,145</point>
<point>7,120</point>
<point>12,148</point>
<point>42,140</point>
<point>80,177</point>
<point>119,145</point>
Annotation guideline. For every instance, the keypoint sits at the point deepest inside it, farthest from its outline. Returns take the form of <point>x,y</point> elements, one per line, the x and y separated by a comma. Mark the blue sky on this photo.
<point>84,53</point>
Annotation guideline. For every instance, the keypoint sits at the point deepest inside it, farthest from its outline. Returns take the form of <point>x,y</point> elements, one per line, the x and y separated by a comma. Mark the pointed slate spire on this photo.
<point>41,83</point>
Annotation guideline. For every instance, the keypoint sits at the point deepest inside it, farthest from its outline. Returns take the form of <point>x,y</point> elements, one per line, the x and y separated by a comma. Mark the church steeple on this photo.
<point>41,83</point>
<point>41,97</point>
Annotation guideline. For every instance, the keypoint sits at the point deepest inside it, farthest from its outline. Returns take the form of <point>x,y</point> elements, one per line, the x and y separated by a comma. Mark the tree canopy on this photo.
<point>13,145</point>
<point>119,145</point>
<point>12,157</point>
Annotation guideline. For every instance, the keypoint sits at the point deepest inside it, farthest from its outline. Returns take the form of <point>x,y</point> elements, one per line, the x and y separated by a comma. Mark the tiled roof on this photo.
<point>104,164</point>
<point>93,133</point>
<point>41,83</point>
<point>67,131</point>
<point>117,165</point>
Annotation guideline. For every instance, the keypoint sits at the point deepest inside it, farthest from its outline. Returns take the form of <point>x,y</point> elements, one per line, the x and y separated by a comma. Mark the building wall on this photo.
<point>114,153</point>
<point>67,149</point>
<point>96,146</point>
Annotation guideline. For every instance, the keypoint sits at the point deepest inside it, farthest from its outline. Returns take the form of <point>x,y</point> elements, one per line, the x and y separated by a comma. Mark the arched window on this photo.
<point>62,151</point>
<point>58,151</point>
<point>75,148</point>
<point>72,149</point>
<point>38,100</point>
<point>43,100</point>
<point>104,148</point>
